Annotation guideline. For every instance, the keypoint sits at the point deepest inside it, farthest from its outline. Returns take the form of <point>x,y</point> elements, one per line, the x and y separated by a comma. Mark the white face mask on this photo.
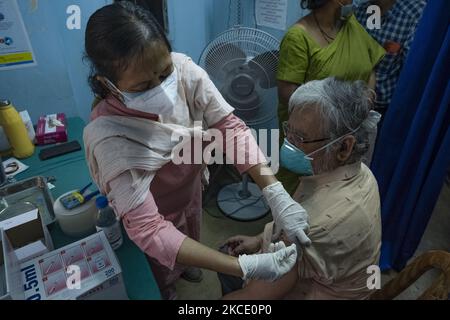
<point>160,100</point>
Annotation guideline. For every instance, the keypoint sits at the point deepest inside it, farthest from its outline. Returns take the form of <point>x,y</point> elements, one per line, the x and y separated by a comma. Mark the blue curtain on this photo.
<point>412,154</point>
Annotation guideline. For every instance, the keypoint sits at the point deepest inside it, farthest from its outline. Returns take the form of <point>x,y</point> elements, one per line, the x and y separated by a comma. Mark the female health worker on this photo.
<point>146,93</point>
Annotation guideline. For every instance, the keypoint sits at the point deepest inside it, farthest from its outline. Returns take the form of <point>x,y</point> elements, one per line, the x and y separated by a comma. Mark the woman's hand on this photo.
<point>269,266</point>
<point>288,214</point>
<point>243,245</point>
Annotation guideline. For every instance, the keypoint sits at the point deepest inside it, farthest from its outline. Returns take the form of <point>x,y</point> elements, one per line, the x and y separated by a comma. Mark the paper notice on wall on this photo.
<point>271,13</point>
<point>15,47</point>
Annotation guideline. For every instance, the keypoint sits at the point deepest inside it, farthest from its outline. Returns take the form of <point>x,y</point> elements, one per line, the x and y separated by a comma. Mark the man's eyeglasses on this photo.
<point>298,138</point>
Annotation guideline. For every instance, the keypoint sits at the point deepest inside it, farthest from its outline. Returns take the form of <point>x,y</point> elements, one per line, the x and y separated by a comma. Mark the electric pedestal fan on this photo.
<point>242,63</point>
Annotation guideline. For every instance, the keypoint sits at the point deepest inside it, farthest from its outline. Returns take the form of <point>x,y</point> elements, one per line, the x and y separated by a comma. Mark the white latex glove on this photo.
<point>288,214</point>
<point>268,266</point>
<point>274,247</point>
<point>280,245</point>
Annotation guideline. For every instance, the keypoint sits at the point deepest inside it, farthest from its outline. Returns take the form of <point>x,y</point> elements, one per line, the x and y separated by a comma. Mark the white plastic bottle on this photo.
<point>107,221</point>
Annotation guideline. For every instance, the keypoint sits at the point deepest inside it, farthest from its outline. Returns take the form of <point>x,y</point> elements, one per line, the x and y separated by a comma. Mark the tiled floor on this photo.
<point>216,228</point>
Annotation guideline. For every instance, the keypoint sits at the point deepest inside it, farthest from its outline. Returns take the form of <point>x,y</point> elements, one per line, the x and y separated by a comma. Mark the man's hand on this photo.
<point>269,266</point>
<point>288,214</point>
<point>243,245</point>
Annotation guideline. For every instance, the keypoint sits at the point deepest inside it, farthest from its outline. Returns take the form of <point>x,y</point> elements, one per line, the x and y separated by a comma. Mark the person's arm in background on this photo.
<point>376,55</point>
<point>416,14</point>
<point>373,81</point>
<point>285,91</point>
<point>292,65</point>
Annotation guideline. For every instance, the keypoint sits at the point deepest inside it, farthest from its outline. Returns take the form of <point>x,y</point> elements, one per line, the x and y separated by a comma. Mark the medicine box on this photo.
<point>84,270</point>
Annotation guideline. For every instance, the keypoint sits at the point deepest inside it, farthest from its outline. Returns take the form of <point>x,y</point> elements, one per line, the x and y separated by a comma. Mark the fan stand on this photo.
<point>237,60</point>
<point>242,201</point>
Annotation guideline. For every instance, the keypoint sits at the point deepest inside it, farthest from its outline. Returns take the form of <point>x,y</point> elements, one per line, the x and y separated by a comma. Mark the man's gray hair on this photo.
<point>344,107</point>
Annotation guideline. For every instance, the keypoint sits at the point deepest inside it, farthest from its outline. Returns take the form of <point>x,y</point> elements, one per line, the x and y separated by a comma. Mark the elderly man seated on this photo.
<point>326,137</point>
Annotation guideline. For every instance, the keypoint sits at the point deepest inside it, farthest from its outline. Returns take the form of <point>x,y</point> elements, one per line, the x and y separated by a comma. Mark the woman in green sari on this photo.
<point>328,42</point>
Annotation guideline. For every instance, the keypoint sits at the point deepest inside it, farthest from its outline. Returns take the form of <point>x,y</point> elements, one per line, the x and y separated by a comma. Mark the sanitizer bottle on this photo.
<point>107,221</point>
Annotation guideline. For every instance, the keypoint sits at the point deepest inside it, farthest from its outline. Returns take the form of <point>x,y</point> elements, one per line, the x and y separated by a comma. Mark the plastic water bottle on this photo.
<point>107,221</point>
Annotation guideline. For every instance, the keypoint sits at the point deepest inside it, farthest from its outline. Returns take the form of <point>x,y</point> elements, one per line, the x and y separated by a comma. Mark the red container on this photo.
<point>51,129</point>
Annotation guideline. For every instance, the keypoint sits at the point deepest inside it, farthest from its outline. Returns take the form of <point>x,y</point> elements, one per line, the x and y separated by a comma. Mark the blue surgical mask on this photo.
<point>347,10</point>
<point>295,160</point>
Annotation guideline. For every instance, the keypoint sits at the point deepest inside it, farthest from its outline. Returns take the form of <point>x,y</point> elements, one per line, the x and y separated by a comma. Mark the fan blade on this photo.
<point>265,66</point>
<point>221,54</point>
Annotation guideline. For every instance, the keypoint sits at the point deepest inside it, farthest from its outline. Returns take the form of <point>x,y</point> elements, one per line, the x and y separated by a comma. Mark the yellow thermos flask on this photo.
<point>15,131</point>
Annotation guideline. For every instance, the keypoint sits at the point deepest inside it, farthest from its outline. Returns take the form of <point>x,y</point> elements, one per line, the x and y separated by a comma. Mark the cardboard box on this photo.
<point>22,237</point>
<point>25,232</point>
<point>84,270</point>
<point>10,277</point>
<point>51,129</point>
